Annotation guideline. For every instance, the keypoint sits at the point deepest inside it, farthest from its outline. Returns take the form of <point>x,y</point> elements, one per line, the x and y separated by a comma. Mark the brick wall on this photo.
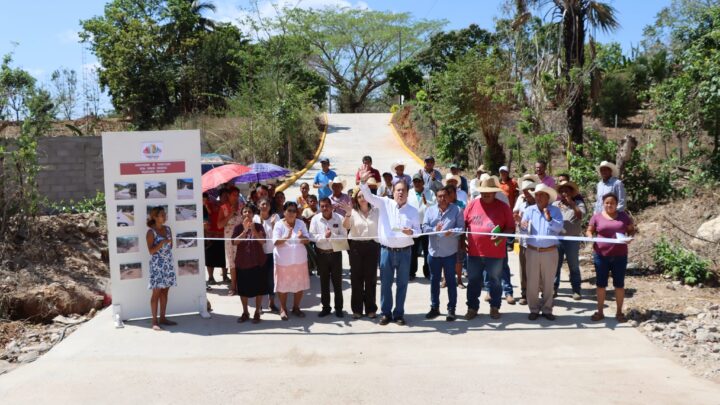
<point>71,167</point>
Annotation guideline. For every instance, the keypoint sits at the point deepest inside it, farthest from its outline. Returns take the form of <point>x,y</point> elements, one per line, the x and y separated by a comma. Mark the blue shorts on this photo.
<point>604,265</point>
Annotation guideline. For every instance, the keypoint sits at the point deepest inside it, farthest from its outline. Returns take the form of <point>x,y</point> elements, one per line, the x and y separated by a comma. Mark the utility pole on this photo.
<point>400,56</point>
<point>329,93</point>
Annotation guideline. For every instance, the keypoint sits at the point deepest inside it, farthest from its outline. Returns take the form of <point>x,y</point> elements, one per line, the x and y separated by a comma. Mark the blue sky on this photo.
<point>46,32</point>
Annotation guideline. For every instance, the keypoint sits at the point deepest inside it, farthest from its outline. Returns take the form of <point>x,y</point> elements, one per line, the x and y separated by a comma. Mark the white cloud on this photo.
<point>69,36</point>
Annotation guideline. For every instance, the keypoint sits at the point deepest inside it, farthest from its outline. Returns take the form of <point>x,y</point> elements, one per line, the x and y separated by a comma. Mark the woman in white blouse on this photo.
<point>362,219</point>
<point>290,236</point>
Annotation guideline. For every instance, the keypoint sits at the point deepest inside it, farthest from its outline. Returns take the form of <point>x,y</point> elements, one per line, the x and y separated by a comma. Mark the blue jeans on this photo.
<point>390,263</point>
<point>477,266</point>
<point>569,249</point>
<point>605,265</point>
<point>438,265</point>
<point>507,287</point>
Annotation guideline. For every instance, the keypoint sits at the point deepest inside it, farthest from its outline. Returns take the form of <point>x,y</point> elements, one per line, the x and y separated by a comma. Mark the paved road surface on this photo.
<point>316,361</point>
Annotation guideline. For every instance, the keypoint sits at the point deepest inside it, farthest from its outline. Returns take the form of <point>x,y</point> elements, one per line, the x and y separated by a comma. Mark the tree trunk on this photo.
<point>625,152</point>
<point>494,155</point>
<point>574,46</point>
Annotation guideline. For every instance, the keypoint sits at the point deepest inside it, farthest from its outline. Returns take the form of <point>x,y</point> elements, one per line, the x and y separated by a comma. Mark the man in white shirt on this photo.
<point>398,223</point>
<point>325,226</point>
<point>421,198</point>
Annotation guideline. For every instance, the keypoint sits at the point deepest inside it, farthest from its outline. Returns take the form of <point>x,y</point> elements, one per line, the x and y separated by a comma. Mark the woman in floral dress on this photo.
<point>162,269</point>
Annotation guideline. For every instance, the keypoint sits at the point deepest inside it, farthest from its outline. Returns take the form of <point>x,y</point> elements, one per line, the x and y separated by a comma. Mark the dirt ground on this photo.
<point>54,269</point>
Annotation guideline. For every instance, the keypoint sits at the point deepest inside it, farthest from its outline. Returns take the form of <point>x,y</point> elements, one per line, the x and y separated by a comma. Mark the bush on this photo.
<point>617,98</point>
<point>680,263</point>
<point>394,108</point>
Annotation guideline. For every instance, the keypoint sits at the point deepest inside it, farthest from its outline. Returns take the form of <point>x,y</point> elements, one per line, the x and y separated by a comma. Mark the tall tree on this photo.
<point>576,16</point>
<point>356,48</point>
<point>16,85</point>
<point>65,82</point>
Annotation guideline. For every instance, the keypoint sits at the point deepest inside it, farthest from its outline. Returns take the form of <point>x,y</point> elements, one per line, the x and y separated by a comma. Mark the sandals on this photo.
<point>256,317</point>
<point>297,312</point>
<point>157,328</point>
<point>620,317</point>
<point>231,293</point>
<point>461,285</point>
<point>283,315</point>
<point>597,316</point>
<point>245,316</point>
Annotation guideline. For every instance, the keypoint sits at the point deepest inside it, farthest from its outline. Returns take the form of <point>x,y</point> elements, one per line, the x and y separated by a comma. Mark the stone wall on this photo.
<point>71,167</point>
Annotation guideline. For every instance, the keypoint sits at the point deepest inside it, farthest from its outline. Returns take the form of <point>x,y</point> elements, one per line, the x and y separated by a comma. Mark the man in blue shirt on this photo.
<point>323,179</point>
<point>443,248</point>
<point>541,219</point>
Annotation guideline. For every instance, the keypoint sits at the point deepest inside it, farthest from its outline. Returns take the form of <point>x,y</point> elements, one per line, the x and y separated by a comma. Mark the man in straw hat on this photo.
<point>398,224</point>
<point>454,180</point>
<point>455,170</point>
<point>541,219</point>
<point>338,198</point>
<point>486,253</point>
<point>573,210</point>
<point>398,170</point>
<point>609,183</point>
<point>475,183</point>
<point>527,186</point>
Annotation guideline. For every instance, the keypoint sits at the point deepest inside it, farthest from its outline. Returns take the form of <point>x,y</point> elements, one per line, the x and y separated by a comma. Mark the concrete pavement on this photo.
<point>329,360</point>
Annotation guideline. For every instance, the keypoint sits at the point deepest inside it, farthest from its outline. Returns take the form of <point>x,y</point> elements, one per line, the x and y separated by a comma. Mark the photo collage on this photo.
<point>130,214</point>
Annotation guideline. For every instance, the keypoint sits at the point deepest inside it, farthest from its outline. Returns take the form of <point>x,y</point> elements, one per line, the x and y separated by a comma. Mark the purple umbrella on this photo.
<point>262,171</point>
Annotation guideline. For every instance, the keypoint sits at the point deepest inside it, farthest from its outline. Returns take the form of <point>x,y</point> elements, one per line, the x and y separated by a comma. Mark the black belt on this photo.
<point>324,251</point>
<point>361,241</point>
<point>396,249</point>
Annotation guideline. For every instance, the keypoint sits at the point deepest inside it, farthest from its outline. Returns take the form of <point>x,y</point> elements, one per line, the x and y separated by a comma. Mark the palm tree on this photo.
<point>575,16</point>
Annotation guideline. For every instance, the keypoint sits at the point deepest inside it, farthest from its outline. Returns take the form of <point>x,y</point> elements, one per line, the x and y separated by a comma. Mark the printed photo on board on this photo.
<point>155,189</point>
<point>186,243</point>
<point>125,191</point>
<point>188,267</point>
<point>125,215</point>
<point>185,212</point>
<point>127,244</point>
<point>130,271</point>
<point>185,189</point>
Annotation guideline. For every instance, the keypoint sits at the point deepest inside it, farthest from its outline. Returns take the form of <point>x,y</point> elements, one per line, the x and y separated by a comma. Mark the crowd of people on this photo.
<point>267,246</point>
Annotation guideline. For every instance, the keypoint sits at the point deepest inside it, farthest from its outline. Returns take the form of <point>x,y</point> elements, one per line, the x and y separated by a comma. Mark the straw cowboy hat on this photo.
<point>396,164</point>
<point>611,166</point>
<point>488,184</point>
<point>338,180</point>
<point>528,181</point>
<point>543,188</point>
<point>481,169</point>
<point>450,177</point>
<point>572,185</point>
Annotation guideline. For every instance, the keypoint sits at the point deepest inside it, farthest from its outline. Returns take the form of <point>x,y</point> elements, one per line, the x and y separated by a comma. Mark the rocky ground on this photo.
<point>53,277</point>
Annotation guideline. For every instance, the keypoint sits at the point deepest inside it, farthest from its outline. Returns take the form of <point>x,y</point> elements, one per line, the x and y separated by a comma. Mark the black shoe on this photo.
<point>339,313</point>
<point>400,321</point>
<point>434,313</point>
<point>549,317</point>
<point>451,315</point>
<point>325,312</point>
<point>412,277</point>
<point>385,320</point>
<point>533,316</point>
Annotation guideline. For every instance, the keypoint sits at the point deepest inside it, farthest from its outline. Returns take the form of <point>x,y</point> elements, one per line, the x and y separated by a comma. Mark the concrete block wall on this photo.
<point>71,167</point>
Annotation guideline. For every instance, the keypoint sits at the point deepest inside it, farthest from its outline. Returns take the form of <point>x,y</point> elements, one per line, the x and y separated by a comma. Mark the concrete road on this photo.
<point>329,360</point>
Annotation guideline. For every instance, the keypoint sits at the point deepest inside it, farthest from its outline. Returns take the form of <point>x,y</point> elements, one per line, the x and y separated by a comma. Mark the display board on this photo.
<point>144,170</point>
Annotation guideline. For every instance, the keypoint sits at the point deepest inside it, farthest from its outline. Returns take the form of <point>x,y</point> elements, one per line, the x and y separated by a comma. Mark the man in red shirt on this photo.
<point>375,174</point>
<point>486,253</point>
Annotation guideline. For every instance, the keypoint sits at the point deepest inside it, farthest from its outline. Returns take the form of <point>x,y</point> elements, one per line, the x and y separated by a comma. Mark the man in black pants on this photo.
<point>325,226</point>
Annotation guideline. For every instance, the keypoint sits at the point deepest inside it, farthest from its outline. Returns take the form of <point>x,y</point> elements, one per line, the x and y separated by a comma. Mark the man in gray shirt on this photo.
<point>443,248</point>
<point>573,211</point>
<point>431,176</point>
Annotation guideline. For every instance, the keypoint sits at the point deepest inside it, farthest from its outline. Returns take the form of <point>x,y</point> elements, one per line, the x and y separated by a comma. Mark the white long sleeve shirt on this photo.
<point>319,224</point>
<point>392,219</point>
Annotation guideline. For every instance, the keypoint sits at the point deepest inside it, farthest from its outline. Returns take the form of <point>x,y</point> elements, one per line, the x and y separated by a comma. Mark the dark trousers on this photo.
<point>330,269</point>
<point>420,248</point>
<point>364,256</point>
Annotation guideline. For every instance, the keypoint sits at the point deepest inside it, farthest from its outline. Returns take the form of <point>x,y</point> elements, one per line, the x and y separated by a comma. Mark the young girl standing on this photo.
<point>162,271</point>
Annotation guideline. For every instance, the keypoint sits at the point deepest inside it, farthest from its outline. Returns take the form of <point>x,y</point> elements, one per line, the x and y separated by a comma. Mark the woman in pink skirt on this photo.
<point>290,256</point>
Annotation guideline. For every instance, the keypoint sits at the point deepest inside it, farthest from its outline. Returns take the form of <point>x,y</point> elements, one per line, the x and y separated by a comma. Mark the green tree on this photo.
<point>15,86</point>
<point>65,82</point>
<point>355,48</point>
<point>575,17</point>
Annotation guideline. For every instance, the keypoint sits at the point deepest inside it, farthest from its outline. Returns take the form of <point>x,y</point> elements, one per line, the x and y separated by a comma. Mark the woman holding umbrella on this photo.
<point>228,218</point>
